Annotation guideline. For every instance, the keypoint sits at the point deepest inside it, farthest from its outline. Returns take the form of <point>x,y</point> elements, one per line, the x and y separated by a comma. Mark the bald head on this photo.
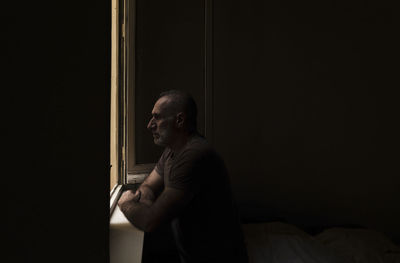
<point>175,101</point>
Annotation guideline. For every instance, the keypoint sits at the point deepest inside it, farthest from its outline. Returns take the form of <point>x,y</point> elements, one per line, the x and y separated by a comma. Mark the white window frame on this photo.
<point>124,168</point>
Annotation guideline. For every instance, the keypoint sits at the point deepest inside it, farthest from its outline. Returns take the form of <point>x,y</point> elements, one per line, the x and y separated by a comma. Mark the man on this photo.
<point>188,187</point>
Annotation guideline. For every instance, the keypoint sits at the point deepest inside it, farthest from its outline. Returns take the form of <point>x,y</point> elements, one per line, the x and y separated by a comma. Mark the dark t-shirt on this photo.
<point>208,229</point>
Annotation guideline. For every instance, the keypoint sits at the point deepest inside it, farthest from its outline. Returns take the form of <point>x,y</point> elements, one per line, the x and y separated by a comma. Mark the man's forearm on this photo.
<point>138,213</point>
<point>147,195</point>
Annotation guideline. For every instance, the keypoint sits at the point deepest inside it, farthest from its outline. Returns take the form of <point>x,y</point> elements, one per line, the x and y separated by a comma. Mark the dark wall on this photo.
<point>305,110</point>
<point>55,103</point>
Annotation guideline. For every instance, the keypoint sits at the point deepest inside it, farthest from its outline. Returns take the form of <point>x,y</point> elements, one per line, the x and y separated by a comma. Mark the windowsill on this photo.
<point>126,241</point>
<point>139,172</point>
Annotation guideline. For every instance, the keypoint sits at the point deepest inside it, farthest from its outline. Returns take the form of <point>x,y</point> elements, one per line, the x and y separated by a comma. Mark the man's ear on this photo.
<point>180,119</point>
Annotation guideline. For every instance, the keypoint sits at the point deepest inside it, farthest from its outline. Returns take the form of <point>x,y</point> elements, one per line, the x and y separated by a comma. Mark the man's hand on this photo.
<point>128,197</point>
<point>147,195</point>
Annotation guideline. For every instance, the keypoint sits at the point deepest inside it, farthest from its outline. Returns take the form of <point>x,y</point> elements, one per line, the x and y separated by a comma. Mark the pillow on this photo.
<point>362,245</point>
<point>282,243</point>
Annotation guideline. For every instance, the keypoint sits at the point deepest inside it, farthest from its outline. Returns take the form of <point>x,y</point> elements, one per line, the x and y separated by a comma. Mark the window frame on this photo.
<point>124,166</point>
<point>133,173</point>
<point>115,123</point>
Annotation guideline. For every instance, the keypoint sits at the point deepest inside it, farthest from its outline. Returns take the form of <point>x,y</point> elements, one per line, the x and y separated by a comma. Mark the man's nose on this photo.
<point>150,125</point>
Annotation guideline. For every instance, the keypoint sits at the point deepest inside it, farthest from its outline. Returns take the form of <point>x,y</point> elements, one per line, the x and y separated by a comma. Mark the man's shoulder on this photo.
<point>201,152</point>
<point>198,145</point>
<point>197,140</point>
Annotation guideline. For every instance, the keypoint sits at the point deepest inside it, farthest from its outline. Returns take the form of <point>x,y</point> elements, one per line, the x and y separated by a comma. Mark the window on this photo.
<point>122,91</point>
<point>156,46</point>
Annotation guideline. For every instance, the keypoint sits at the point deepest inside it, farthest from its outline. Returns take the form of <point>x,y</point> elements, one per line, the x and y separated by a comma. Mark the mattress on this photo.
<point>277,242</point>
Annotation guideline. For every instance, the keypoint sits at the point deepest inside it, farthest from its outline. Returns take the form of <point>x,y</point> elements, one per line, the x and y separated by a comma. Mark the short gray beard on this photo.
<point>164,139</point>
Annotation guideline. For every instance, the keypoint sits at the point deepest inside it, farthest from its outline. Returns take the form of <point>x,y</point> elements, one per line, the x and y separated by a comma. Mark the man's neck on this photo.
<point>180,142</point>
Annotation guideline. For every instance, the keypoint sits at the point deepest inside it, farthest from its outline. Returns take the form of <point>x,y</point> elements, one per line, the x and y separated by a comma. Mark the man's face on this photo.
<point>162,124</point>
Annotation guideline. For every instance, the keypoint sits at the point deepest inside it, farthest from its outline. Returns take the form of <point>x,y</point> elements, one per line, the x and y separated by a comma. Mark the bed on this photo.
<point>278,242</point>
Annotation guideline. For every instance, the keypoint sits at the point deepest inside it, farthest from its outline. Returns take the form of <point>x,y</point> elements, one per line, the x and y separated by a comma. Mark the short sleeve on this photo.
<point>186,171</point>
<point>161,163</point>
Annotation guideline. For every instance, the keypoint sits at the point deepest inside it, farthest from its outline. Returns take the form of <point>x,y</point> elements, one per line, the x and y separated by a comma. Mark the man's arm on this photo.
<point>149,217</point>
<point>150,188</point>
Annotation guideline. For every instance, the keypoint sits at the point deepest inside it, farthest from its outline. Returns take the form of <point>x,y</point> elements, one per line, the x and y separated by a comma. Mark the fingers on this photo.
<point>126,197</point>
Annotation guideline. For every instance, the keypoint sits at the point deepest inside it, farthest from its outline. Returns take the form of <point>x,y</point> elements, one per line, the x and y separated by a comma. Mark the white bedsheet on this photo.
<point>284,243</point>
<point>362,245</point>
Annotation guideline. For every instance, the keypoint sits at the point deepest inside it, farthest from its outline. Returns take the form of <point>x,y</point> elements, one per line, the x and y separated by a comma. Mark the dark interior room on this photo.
<point>304,113</point>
